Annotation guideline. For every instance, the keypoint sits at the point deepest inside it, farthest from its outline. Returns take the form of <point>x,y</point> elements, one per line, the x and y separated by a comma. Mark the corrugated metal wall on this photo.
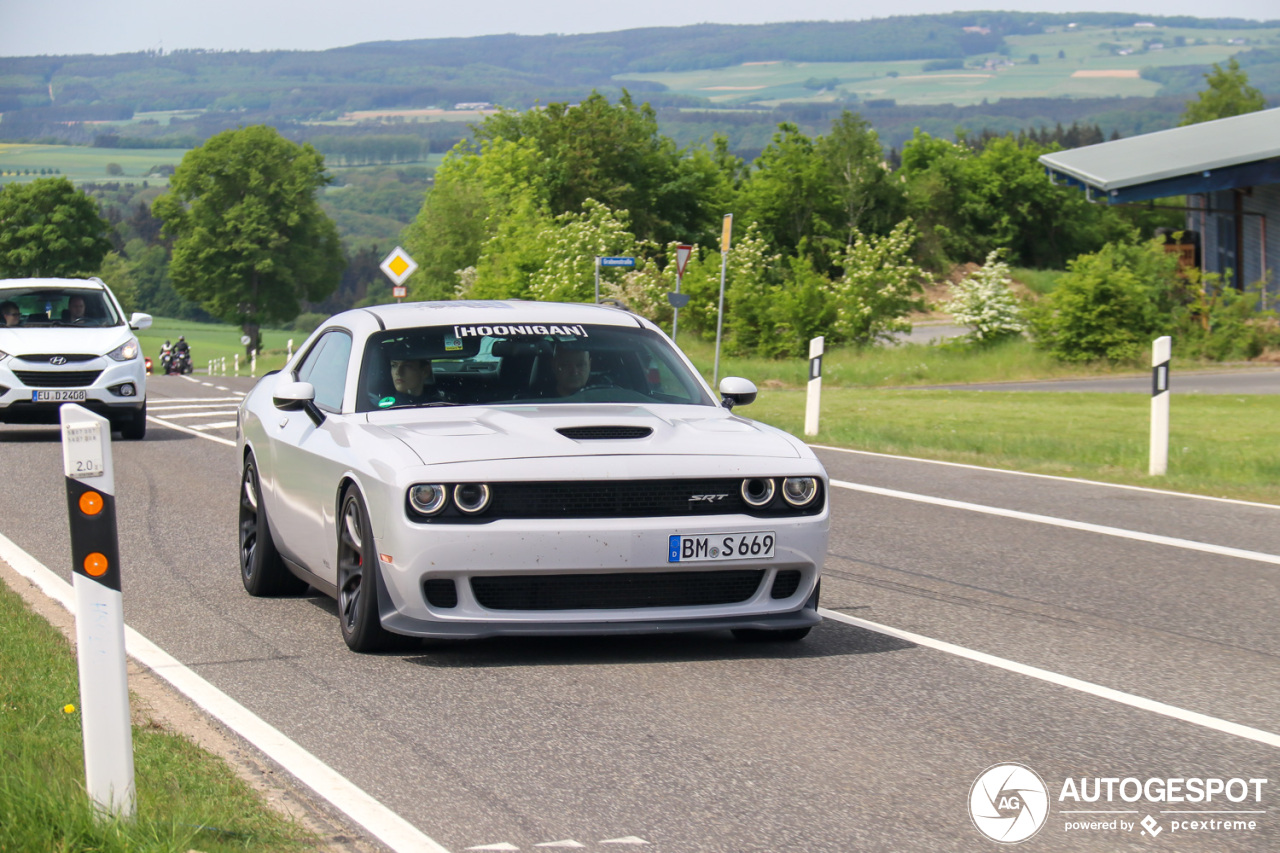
<point>1218,235</point>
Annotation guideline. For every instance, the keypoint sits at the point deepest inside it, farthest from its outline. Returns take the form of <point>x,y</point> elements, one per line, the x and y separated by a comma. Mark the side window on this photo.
<point>325,367</point>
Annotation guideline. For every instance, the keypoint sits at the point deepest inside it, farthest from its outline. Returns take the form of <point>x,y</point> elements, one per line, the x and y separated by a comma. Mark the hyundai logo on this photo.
<point>58,359</point>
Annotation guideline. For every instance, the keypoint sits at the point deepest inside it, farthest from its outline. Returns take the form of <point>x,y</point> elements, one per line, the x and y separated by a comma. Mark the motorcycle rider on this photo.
<point>166,354</point>
<point>183,353</point>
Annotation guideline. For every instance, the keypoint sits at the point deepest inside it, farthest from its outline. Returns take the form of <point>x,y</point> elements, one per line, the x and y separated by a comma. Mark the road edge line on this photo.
<point>343,794</point>
<point>1109,693</point>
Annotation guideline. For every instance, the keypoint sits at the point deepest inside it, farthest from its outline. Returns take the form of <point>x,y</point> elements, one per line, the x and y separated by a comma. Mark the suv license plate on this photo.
<point>59,396</point>
<point>711,547</point>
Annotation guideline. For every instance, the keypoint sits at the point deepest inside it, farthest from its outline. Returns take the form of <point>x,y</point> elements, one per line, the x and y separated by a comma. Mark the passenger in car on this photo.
<point>12,313</point>
<point>414,384</point>
<point>570,367</point>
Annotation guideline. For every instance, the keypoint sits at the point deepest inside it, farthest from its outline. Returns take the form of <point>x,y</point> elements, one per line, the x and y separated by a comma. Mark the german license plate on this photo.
<point>711,547</point>
<point>59,396</point>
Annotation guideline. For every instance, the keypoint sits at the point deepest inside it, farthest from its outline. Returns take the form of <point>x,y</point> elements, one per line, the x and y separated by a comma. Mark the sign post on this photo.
<point>398,266</point>
<point>616,261</point>
<point>95,566</point>
<point>724,265</point>
<point>678,300</point>
<point>814,400</point>
<point>1161,353</point>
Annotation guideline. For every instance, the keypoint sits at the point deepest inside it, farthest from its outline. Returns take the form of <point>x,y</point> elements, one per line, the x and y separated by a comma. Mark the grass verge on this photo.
<point>186,798</point>
<point>1218,444</point>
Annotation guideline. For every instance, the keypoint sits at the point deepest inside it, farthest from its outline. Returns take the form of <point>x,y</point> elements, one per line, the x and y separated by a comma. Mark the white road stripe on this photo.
<point>181,415</point>
<point>222,425</point>
<point>1139,702</point>
<point>189,431</point>
<point>1048,477</point>
<point>191,402</point>
<point>384,824</point>
<point>1187,544</point>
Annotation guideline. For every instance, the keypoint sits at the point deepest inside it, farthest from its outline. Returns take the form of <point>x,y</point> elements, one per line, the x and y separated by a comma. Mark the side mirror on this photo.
<point>290,396</point>
<point>140,321</point>
<point>736,391</point>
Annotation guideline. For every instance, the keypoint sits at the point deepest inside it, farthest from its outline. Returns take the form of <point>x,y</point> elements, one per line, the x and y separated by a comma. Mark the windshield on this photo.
<point>481,364</point>
<point>57,307</point>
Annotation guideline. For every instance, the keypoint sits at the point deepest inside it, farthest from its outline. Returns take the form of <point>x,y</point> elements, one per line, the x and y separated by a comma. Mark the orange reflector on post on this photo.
<point>91,503</point>
<point>95,565</point>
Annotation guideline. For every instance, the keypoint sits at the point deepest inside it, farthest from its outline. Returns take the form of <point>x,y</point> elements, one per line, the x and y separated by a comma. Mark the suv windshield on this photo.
<point>489,365</point>
<point>58,307</point>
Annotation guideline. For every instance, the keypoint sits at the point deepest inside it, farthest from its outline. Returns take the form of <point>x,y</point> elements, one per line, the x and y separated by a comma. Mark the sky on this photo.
<point>34,27</point>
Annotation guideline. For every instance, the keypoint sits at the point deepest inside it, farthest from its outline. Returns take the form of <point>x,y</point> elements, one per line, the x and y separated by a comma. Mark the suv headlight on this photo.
<point>127,351</point>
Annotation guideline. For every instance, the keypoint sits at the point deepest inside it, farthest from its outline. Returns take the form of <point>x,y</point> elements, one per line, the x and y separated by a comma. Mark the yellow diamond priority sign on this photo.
<point>398,266</point>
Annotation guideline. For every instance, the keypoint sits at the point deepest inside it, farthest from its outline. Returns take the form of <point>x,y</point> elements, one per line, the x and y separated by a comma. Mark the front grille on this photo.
<point>57,378</point>
<point>441,592</point>
<point>618,499</point>
<point>615,591</point>
<point>596,433</point>
<point>72,358</point>
<point>785,584</point>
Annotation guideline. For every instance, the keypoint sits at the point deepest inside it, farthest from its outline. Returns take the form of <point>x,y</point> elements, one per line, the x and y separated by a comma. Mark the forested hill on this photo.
<point>514,71</point>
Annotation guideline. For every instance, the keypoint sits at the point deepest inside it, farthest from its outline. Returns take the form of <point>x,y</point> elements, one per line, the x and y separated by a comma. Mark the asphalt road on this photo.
<point>852,740</point>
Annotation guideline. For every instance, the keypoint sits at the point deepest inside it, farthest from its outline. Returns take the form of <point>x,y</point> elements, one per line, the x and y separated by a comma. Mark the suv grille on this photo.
<point>615,591</point>
<point>43,357</point>
<point>57,378</point>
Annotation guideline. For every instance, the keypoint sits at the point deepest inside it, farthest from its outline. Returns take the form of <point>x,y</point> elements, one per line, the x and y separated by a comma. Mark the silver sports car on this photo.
<point>470,469</point>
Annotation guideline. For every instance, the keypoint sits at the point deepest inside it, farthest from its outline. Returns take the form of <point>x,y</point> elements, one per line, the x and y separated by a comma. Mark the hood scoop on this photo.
<point>606,433</point>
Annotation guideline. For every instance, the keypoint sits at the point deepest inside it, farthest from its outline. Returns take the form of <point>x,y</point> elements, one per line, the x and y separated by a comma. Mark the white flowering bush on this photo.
<point>880,286</point>
<point>984,302</point>
<point>570,247</point>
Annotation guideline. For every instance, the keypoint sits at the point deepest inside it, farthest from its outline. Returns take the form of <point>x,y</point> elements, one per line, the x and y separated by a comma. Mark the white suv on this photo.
<point>65,340</point>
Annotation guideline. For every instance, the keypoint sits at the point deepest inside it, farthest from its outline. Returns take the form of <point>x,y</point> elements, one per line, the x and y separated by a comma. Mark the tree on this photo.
<point>49,228</point>
<point>250,237</point>
<point>1229,94</point>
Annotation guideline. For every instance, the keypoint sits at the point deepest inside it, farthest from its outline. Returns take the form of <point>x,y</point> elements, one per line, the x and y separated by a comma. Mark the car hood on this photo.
<point>526,432</point>
<point>63,340</point>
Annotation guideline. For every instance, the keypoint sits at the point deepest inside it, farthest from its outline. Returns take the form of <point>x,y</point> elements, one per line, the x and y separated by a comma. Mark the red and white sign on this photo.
<point>399,291</point>
<point>682,258</point>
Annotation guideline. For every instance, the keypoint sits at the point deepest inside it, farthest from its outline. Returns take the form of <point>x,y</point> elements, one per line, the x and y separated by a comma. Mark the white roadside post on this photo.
<point>724,265</point>
<point>814,401</point>
<point>1161,352</point>
<point>95,564</point>
<point>237,364</point>
<point>253,364</point>
<point>597,302</point>
<point>224,365</point>
<point>288,356</point>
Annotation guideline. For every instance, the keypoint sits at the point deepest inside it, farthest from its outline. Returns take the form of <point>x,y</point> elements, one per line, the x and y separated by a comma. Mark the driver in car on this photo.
<point>414,384</point>
<point>75,310</point>
<point>571,367</point>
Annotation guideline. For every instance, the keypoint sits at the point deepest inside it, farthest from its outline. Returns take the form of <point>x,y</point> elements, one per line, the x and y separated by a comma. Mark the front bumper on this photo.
<point>528,553</point>
<point>102,393</point>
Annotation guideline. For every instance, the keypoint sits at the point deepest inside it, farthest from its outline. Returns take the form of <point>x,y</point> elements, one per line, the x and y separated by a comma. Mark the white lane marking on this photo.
<point>192,379</point>
<point>1139,702</point>
<point>384,824</point>
<point>1187,544</point>
<point>222,425</point>
<point>568,842</point>
<point>189,431</point>
<point>202,414</point>
<point>223,388</point>
<point>1049,477</point>
<point>630,839</point>
<point>192,403</point>
<point>501,845</point>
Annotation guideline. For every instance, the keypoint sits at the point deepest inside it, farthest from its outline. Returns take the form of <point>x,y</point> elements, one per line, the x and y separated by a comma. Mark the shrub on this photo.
<point>983,302</point>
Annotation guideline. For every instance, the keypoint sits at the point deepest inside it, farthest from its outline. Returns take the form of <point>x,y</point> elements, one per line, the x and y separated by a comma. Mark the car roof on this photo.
<point>413,314</point>
<point>52,283</point>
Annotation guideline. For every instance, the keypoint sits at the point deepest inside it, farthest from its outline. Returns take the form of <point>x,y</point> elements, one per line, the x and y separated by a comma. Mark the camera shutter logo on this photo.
<point>1008,803</point>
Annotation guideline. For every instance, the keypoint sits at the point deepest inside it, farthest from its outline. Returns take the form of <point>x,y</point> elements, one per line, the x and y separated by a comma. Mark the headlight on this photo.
<point>471,498</point>
<point>757,491</point>
<point>428,499</point>
<point>800,491</point>
<point>127,351</point>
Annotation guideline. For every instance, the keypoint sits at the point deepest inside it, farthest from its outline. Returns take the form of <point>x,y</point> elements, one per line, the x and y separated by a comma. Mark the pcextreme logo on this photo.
<point>1009,803</point>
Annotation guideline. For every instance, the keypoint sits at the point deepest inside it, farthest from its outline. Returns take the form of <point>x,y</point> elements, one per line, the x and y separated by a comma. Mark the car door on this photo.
<point>310,459</point>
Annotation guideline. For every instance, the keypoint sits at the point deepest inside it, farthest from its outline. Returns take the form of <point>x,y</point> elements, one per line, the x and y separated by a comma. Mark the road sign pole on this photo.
<point>1161,353</point>
<point>675,315</point>
<point>724,265</point>
<point>597,279</point>
<point>95,566</point>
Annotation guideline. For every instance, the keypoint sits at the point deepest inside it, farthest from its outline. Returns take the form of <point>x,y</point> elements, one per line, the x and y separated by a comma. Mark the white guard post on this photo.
<point>1161,352</point>
<point>95,563</point>
<point>237,364</point>
<point>814,401</point>
<point>253,364</point>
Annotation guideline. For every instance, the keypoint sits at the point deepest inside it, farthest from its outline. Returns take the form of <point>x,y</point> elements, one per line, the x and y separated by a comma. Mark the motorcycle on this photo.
<point>176,363</point>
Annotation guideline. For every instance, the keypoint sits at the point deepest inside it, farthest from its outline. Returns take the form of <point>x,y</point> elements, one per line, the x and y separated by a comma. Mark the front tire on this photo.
<point>358,617</point>
<point>261,569</point>
<point>134,427</point>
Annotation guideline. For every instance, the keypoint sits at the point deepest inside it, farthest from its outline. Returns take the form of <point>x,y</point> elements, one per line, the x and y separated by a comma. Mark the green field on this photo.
<point>210,341</point>
<point>987,77</point>
<point>80,163</point>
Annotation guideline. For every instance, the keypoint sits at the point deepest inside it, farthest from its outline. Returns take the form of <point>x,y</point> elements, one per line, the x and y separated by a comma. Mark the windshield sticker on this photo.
<point>386,402</point>
<point>452,343</point>
<point>489,331</point>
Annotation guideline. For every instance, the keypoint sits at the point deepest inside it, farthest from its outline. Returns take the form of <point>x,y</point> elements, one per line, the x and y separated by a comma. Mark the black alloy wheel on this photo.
<point>358,579</point>
<point>261,570</point>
